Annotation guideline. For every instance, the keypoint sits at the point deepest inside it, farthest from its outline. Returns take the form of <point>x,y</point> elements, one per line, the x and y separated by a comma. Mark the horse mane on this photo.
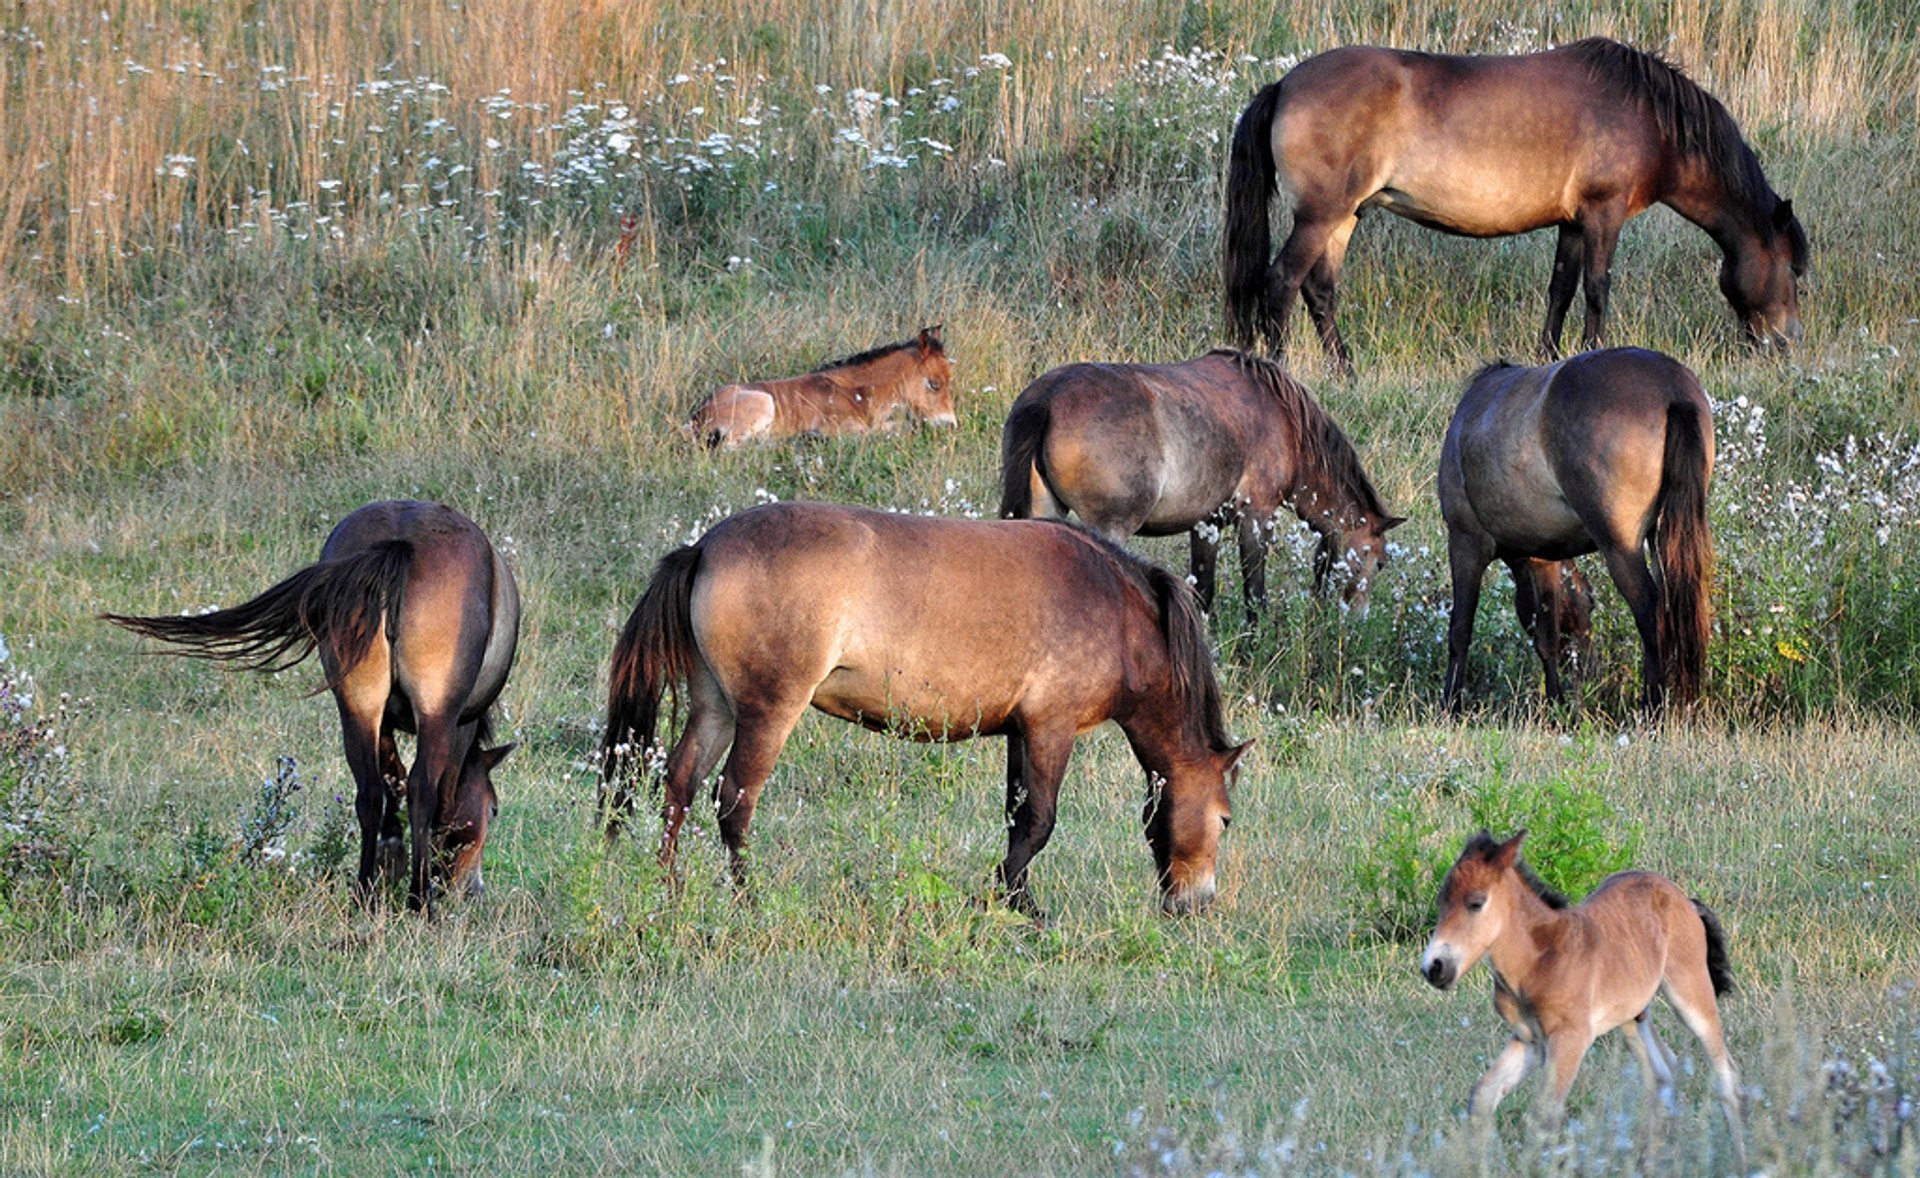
<point>1185,630</point>
<point>1483,846</point>
<point>1324,447</point>
<point>872,354</point>
<point>1692,121</point>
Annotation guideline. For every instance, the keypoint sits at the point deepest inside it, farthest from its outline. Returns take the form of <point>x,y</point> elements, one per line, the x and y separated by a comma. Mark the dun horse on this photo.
<point>852,396</point>
<point>1563,976</point>
<point>933,629</point>
<point>1582,137</point>
<point>1158,449</point>
<point>416,618</point>
<point>1607,451</point>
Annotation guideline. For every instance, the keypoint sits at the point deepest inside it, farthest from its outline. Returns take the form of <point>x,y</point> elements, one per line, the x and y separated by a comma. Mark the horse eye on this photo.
<point>1476,903</point>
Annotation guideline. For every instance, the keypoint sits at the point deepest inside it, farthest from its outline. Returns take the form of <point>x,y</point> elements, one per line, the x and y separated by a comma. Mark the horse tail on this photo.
<point>656,648</point>
<point>1718,967</point>
<point>1020,442</point>
<point>338,604</point>
<point>1191,658</point>
<point>1684,550</point>
<point>1247,244</point>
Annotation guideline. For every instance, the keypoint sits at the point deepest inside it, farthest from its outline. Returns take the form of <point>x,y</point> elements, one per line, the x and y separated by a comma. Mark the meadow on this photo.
<point>260,264</point>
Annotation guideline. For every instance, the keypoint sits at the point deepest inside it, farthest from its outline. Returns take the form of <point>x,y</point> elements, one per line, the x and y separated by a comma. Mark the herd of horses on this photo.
<point>1038,630</point>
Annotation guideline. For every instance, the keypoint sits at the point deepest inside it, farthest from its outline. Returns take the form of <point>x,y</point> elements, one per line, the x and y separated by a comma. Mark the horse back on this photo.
<point>935,627</point>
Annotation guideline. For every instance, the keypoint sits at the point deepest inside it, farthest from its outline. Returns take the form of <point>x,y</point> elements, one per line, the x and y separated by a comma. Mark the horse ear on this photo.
<point>929,340</point>
<point>1783,215</point>
<point>1392,522</point>
<point>1232,756</point>
<point>1505,854</point>
<point>494,756</point>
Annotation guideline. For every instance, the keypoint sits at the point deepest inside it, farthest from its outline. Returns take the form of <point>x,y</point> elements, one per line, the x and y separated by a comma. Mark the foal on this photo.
<point>1563,976</point>
<point>866,392</point>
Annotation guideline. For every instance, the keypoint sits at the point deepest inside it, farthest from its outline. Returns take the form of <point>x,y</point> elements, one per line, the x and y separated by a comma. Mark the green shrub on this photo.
<point>1575,839</point>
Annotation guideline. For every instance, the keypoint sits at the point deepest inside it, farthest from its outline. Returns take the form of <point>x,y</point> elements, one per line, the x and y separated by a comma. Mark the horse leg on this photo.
<point>361,736</point>
<point>1599,233</point>
<point>1321,293</point>
<point>1536,601</point>
<point>1656,1068</point>
<point>1566,275</point>
<point>1203,551</point>
<point>437,763</point>
<point>1564,1053</point>
<point>1302,252</point>
<point>1039,761</point>
<point>1635,582</point>
<point>393,774</point>
<point>1514,1064</point>
<point>1467,561</point>
<point>759,735</point>
<point>709,730</point>
<point>1253,563</point>
<point>1690,992</point>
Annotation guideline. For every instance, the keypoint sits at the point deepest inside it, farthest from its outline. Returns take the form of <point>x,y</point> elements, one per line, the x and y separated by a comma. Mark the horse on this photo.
<point>1609,451</point>
<point>1554,601</point>
<point>416,618</point>
<point>851,396</point>
<point>1582,137</point>
<point>935,630</point>
<point>1565,975</point>
<point>1158,449</point>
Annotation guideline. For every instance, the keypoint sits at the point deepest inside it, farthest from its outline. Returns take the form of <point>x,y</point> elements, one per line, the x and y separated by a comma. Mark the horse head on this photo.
<point>1186,813</point>
<point>1362,550</point>
<point>1761,282</point>
<point>928,389</point>
<point>462,830</point>
<point>1476,899</point>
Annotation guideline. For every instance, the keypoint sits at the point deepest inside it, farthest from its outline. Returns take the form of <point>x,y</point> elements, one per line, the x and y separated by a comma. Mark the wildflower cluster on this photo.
<point>42,809</point>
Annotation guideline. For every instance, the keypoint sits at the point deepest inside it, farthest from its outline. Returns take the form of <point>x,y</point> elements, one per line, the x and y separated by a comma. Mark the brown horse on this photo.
<point>1158,449</point>
<point>1582,137</point>
<point>933,629</point>
<point>416,618</point>
<point>1563,976</point>
<point>1607,451</point>
<point>850,396</point>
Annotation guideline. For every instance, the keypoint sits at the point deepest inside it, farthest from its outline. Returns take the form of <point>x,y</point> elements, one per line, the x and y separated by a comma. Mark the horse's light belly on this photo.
<point>910,705</point>
<point>1473,203</point>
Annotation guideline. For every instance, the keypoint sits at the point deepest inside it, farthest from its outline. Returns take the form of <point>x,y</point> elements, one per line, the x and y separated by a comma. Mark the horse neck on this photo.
<point>1736,224</point>
<point>1530,923</point>
<point>1158,720</point>
<point>1320,499</point>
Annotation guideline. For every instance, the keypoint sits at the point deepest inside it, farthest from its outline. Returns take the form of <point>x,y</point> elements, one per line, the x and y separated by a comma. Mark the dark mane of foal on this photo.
<point>1692,120</point>
<point>872,354</point>
<point>1186,633</point>
<point>1323,444</point>
<point>1483,845</point>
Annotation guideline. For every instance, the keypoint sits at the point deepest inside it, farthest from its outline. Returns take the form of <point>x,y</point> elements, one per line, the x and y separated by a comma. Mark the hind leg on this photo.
<point>1321,293</point>
<point>393,839</point>
<point>1302,252</point>
<point>760,733</point>
<point>1656,1062</point>
<point>360,692</point>
<point>709,731</point>
<point>1631,576</point>
<point>1690,992</point>
<point>438,760</point>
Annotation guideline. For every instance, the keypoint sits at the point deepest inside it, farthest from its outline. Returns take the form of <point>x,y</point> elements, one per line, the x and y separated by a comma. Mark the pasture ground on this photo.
<point>256,272</point>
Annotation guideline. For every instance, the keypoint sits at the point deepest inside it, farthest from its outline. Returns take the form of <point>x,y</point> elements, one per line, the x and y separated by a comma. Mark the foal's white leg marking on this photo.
<point>1515,1064</point>
<point>1656,1067</point>
<point>1702,1016</point>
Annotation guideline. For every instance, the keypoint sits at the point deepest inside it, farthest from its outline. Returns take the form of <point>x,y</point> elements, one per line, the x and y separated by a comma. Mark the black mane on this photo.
<point>1693,121</point>
<point>1323,444</point>
<point>872,354</point>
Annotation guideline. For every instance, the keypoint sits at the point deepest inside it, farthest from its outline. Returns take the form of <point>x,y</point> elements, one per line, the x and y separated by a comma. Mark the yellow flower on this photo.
<point>1790,652</point>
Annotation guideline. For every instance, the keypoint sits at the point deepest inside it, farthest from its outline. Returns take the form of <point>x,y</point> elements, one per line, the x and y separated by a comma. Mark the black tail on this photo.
<point>339,603</point>
<point>1718,967</point>
<point>1684,548</point>
<point>1246,244</point>
<point>1020,441</point>
<point>655,649</point>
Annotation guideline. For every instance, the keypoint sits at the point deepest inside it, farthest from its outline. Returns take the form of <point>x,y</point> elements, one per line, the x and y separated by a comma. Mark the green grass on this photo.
<point>185,412</point>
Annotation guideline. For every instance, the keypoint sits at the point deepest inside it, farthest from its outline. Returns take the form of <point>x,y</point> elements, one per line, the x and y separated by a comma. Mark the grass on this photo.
<point>201,372</point>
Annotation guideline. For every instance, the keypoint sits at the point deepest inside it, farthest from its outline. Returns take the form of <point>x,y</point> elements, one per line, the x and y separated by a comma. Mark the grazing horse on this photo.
<point>416,618</point>
<point>1563,976</point>
<point>1607,451</point>
<point>1582,137</point>
<point>933,629</point>
<point>1158,449</point>
<point>850,396</point>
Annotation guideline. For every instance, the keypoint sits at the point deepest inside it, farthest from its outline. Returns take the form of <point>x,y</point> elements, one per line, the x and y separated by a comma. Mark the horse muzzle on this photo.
<point>1440,970</point>
<point>1189,899</point>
